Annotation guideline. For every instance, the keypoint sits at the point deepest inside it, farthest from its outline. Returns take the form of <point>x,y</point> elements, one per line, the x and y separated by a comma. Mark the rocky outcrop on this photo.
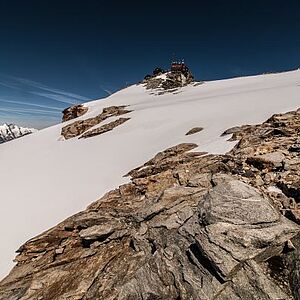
<point>104,128</point>
<point>73,112</point>
<point>167,80</point>
<point>186,226</point>
<point>194,130</point>
<point>265,154</point>
<point>77,128</point>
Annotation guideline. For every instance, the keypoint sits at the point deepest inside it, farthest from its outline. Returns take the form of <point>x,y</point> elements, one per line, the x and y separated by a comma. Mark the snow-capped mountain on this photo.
<point>10,132</point>
<point>47,177</point>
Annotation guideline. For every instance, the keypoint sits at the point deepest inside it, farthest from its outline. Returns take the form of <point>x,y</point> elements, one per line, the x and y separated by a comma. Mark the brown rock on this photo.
<point>194,130</point>
<point>79,127</point>
<point>73,112</point>
<point>104,128</point>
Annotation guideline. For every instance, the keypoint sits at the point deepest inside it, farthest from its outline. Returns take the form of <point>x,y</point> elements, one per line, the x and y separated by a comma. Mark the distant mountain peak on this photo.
<point>10,132</point>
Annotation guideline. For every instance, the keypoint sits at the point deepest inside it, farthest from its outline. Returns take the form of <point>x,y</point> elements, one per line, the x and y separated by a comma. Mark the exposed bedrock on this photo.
<point>186,226</point>
<point>79,127</point>
<point>73,112</point>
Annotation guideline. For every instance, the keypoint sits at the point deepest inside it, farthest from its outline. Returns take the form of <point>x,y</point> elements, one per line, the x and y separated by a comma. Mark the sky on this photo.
<point>56,53</point>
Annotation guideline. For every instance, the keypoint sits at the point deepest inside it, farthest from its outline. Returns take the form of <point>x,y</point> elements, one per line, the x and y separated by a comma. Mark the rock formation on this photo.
<point>73,112</point>
<point>77,128</point>
<point>168,80</point>
<point>188,225</point>
<point>104,128</point>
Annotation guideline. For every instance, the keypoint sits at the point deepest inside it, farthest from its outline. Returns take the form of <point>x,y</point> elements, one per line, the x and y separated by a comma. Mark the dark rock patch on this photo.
<point>194,130</point>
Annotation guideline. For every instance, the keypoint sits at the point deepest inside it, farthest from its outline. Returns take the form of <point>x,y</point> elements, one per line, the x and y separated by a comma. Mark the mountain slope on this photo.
<point>186,226</point>
<point>10,132</point>
<point>60,177</point>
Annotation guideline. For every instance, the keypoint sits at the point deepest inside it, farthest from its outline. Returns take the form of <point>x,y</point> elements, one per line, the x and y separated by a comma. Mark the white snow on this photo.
<point>162,76</point>
<point>44,179</point>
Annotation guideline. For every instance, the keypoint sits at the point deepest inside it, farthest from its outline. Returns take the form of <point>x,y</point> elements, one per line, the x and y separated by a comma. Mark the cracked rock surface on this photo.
<point>186,226</point>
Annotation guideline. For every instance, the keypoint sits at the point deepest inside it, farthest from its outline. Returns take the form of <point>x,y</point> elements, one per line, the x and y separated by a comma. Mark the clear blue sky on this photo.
<point>57,52</point>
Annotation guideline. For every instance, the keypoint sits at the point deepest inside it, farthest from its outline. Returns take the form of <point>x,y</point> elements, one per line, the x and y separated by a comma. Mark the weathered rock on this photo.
<point>255,285</point>
<point>240,224</point>
<point>270,161</point>
<point>73,112</point>
<point>232,201</point>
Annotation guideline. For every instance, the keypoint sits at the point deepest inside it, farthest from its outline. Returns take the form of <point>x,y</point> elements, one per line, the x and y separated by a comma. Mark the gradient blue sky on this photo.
<point>57,53</point>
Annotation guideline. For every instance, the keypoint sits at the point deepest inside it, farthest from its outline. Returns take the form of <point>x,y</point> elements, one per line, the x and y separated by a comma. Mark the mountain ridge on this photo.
<point>10,132</point>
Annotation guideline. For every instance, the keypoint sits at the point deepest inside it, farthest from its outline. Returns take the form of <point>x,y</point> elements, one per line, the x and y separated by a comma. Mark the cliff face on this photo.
<point>187,226</point>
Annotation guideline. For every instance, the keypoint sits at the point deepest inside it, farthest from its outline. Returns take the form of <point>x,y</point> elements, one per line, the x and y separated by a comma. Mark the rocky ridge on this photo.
<point>187,226</point>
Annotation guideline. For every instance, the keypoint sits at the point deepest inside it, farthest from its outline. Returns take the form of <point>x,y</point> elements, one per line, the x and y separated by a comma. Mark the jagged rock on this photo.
<point>176,80</point>
<point>79,127</point>
<point>240,224</point>
<point>186,226</point>
<point>268,160</point>
<point>194,130</point>
<point>232,201</point>
<point>251,276</point>
<point>237,132</point>
<point>73,112</point>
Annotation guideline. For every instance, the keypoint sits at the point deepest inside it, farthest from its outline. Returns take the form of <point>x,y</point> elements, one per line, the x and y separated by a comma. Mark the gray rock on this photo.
<point>239,225</point>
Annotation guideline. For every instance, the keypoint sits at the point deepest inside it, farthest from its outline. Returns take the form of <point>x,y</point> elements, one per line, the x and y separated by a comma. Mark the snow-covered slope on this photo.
<point>10,132</point>
<point>45,179</point>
